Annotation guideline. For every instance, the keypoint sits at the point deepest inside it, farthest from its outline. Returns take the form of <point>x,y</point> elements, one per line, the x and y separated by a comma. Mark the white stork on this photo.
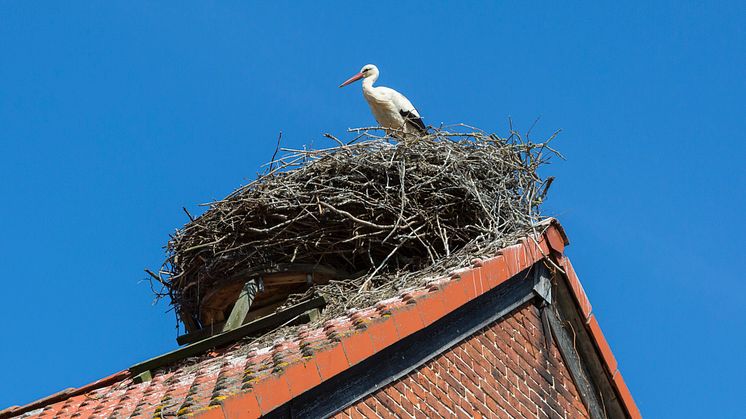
<point>391,109</point>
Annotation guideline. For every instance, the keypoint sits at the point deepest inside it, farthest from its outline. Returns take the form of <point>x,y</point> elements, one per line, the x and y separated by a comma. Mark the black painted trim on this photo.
<point>574,364</point>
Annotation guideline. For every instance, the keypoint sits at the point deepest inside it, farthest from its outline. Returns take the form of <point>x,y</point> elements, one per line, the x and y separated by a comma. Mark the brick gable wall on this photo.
<point>501,371</point>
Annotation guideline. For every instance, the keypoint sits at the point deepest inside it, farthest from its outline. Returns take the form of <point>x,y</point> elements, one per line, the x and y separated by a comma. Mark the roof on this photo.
<point>236,378</point>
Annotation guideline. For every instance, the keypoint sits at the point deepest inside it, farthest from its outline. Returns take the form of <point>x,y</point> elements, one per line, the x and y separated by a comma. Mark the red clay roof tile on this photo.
<point>603,346</point>
<point>628,401</point>
<point>577,289</point>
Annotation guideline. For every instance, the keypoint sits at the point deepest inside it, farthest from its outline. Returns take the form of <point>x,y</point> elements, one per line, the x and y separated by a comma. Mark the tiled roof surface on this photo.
<point>234,379</point>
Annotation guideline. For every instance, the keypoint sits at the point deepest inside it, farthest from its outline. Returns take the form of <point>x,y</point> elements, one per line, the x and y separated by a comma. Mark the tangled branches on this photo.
<point>371,209</point>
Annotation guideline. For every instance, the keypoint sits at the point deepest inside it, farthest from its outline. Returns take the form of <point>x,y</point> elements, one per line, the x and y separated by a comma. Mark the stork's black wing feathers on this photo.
<point>415,120</point>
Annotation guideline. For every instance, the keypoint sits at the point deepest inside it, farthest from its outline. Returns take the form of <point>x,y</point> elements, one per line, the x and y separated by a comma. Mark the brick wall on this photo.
<point>501,371</point>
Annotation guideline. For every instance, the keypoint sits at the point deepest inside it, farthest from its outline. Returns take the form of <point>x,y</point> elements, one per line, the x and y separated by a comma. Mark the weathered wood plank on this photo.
<point>566,346</point>
<point>249,329</point>
<point>242,306</point>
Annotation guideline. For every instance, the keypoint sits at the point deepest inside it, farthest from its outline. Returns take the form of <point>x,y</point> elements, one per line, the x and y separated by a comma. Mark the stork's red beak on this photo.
<point>356,77</point>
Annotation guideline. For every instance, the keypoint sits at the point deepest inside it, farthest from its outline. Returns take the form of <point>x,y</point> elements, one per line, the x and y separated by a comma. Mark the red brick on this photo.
<point>437,405</point>
<point>466,372</point>
<point>374,405</point>
<point>345,414</point>
<point>356,414</point>
<point>401,387</point>
<point>481,408</point>
<point>527,412</point>
<point>454,383</point>
<point>393,393</point>
<point>407,405</point>
<point>389,403</point>
<point>474,392</point>
<point>419,414</point>
<point>461,413</point>
<point>441,392</point>
<point>428,411</point>
<point>365,410</point>
<point>418,390</point>
<point>501,414</point>
<point>431,372</point>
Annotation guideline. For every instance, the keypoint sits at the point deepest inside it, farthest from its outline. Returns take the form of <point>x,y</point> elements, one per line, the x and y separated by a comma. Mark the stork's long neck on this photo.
<point>368,83</point>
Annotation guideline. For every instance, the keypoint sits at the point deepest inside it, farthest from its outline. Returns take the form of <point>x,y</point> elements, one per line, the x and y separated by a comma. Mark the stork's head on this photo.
<point>368,70</point>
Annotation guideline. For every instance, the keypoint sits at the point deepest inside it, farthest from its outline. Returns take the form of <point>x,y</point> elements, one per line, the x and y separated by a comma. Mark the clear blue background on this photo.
<point>114,115</point>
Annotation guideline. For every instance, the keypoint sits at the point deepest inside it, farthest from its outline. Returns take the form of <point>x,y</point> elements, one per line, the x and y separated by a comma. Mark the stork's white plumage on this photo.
<point>391,109</point>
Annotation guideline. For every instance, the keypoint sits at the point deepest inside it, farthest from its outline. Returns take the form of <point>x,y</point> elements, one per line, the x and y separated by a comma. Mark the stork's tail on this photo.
<point>414,121</point>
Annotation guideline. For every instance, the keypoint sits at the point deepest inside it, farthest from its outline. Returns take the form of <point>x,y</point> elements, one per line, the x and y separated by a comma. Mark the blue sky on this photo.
<point>114,115</point>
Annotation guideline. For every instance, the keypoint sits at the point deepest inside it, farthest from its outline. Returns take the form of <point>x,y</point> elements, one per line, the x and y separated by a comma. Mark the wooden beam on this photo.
<point>567,310</point>
<point>143,377</point>
<point>199,334</point>
<point>249,329</point>
<point>242,306</point>
<point>217,327</point>
<point>583,382</point>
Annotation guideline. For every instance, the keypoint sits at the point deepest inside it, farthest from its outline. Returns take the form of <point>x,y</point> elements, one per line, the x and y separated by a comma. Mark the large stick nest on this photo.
<point>373,208</point>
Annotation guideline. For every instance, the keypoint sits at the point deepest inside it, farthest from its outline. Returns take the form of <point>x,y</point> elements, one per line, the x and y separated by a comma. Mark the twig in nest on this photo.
<point>277,148</point>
